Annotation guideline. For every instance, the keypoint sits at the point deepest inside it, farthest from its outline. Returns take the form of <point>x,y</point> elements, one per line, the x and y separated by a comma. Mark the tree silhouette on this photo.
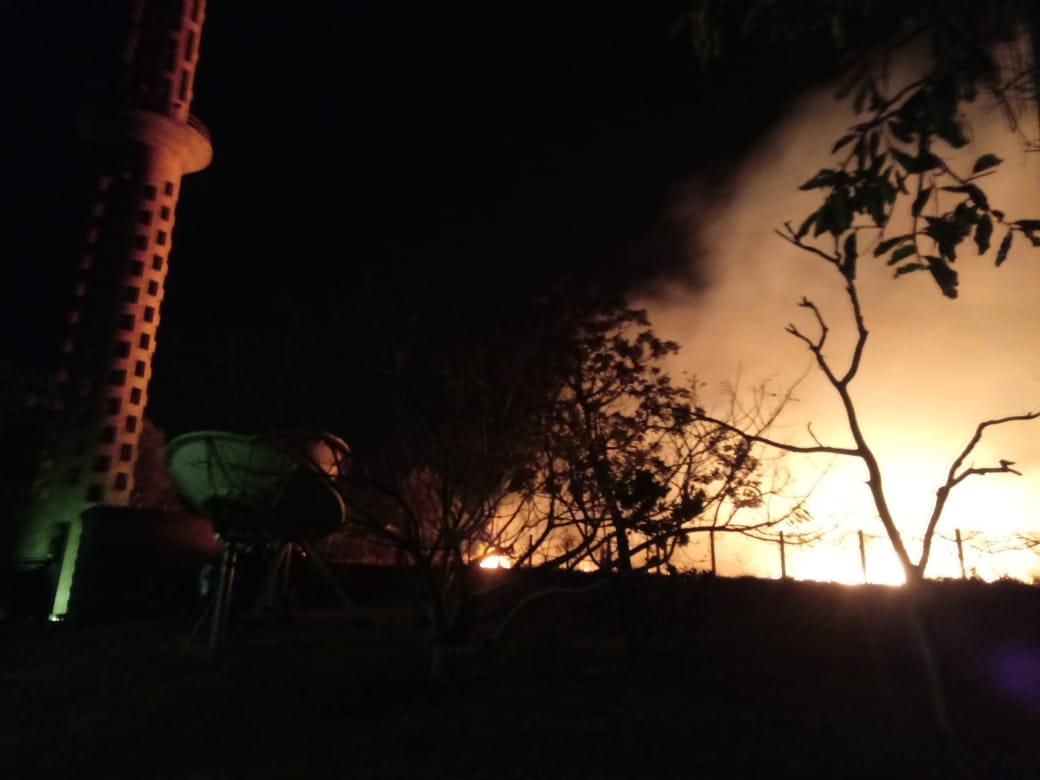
<point>459,433</point>
<point>629,472</point>
<point>842,258</point>
<point>553,439</point>
<point>897,157</point>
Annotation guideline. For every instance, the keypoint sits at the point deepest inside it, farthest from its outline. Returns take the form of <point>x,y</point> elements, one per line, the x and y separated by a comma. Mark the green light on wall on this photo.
<point>66,573</point>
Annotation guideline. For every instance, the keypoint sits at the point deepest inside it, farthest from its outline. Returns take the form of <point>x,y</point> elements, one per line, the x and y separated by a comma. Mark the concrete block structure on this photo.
<point>146,140</point>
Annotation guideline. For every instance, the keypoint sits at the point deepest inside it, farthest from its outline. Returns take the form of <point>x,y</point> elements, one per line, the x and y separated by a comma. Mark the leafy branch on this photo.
<point>896,155</point>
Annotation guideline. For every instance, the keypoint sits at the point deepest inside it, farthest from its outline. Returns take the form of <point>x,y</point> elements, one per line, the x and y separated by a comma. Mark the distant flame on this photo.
<point>496,562</point>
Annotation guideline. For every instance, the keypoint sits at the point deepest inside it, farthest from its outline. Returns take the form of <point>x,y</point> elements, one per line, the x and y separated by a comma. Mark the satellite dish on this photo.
<point>278,489</point>
<point>280,485</point>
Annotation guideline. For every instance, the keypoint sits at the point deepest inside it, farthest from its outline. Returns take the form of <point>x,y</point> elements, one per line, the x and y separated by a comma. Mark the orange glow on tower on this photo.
<point>146,140</point>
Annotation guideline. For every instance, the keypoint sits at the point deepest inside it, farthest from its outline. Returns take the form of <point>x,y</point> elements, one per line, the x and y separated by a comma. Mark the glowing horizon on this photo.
<point>933,368</point>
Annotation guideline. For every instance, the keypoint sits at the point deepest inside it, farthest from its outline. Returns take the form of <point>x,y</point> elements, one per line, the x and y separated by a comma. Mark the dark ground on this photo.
<point>728,678</point>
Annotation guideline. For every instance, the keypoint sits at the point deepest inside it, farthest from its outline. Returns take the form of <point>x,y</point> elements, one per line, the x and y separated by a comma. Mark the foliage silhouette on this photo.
<point>897,157</point>
<point>551,439</point>
<point>628,471</point>
<point>840,376</point>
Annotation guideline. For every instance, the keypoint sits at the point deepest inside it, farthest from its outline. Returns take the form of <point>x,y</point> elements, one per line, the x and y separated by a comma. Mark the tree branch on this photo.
<point>700,414</point>
<point>953,478</point>
<point>955,475</point>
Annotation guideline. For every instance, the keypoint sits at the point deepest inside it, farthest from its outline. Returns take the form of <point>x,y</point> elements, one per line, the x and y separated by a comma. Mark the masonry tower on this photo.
<point>146,140</point>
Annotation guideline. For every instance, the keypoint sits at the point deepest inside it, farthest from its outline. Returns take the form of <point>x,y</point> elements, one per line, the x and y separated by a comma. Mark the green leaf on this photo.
<point>902,253</point>
<point>944,276</point>
<point>928,162</point>
<point>908,268</point>
<point>877,162</point>
<point>978,197</point>
<point>843,141</point>
<point>804,228</point>
<point>842,215</point>
<point>983,233</point>
<point>921,164</point>
<point>1005,247</point>
<point>823,220</point>
<point>888,190</point>
<point>888,243</point>
<point>920,201</point>
<point>901,131</point>
<point>951,131</point>
<point>825,178</point>
<point>849,264</point>
<point>904,159</point>
<point>946,233</point>
<point>986,162</point>
<point>964,216</point>
<point>861,153</point>
<point>874,202</point>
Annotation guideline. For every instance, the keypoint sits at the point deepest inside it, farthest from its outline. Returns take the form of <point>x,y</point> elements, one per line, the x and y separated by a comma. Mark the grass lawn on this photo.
<point>663,679</point>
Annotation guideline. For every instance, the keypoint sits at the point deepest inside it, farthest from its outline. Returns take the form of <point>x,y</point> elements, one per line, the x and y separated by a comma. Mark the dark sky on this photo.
<point>430,158</point>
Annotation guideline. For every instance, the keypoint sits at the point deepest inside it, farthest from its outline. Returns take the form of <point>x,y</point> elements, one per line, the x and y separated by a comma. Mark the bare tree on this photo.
<point>896,166</point>
<point>842,257</point>
<point>447,485</point>
<point>442,526</point>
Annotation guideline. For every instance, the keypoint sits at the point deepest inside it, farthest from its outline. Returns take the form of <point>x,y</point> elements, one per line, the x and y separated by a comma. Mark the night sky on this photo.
<point>434,161</point>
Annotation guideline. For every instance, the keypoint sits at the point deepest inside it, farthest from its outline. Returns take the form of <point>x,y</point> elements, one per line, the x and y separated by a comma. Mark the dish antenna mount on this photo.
<point>272,490</point>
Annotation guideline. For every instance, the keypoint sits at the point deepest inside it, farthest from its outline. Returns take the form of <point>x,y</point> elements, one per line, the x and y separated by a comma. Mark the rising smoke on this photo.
<point>933,367</point>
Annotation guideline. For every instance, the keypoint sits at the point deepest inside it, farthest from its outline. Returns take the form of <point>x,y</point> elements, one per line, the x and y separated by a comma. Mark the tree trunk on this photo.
<point>438,626</point>
<point>914,575</point>
<point>624,551</point>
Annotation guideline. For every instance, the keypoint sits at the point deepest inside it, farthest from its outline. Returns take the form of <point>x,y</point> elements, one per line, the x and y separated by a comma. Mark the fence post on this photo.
<point>783,558</point>
<point>960,555</point>
<point>863,556</point>
<point>711,540</point>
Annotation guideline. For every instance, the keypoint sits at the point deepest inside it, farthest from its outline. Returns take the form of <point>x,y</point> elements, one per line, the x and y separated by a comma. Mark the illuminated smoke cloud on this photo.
<point>933,367</point>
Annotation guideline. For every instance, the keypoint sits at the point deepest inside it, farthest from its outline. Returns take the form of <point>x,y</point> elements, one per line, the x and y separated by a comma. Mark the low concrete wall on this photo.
<point>139,562</point>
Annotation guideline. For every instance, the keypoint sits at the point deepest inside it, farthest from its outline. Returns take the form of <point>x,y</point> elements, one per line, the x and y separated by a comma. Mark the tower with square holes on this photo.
<point>146,140</point>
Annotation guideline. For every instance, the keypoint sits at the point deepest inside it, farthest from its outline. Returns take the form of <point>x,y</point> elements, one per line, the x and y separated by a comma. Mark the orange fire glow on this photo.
<point>932,368</point>
<point>495,562</point>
